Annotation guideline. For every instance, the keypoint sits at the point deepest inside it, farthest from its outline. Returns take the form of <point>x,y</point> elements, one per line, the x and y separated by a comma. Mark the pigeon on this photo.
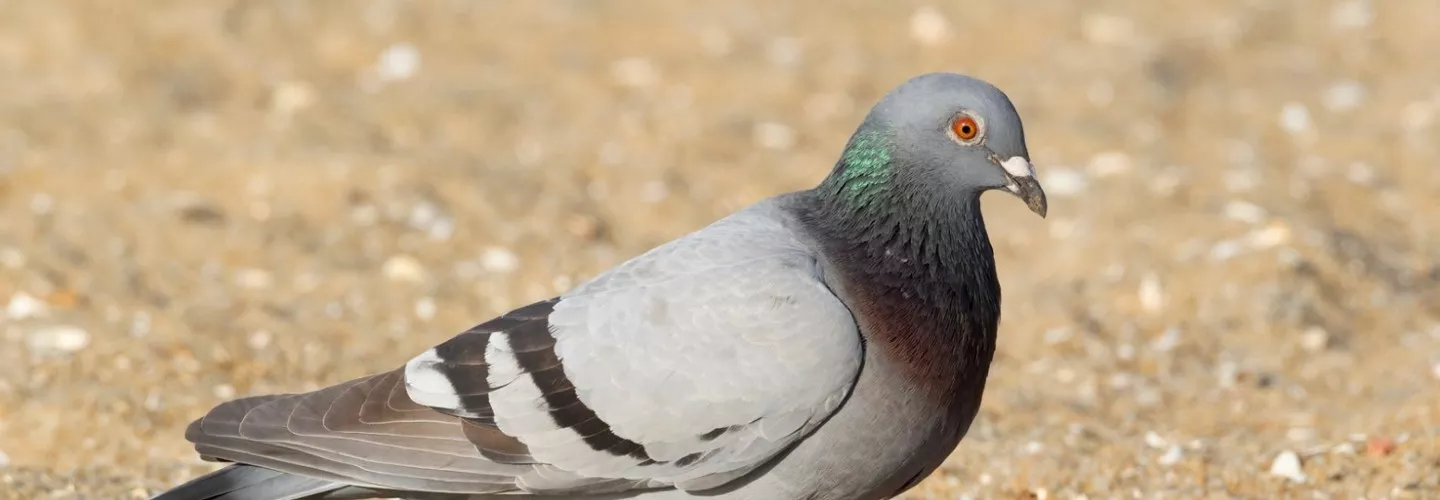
<point>823,344</point>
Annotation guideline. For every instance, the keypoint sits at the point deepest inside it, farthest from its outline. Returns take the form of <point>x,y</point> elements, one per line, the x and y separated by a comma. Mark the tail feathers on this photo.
<point>248,482</point>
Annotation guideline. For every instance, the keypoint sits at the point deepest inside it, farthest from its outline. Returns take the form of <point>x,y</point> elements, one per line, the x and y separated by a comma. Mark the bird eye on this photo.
<point>965,128</point>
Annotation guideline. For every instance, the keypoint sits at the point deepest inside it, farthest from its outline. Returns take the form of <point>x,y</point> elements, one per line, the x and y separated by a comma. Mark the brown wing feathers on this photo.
<point>340,433</point>
<point>371,433</point>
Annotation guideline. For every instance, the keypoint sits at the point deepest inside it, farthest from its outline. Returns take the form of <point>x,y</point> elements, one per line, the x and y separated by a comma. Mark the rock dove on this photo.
<point>825,344</point>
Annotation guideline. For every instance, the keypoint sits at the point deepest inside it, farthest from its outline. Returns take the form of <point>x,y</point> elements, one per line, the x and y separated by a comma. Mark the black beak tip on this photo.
<point>1029,190</point>
<point>1038,205</point>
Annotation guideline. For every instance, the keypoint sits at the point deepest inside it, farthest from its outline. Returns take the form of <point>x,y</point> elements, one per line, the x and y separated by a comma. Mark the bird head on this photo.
<point>960,132</point>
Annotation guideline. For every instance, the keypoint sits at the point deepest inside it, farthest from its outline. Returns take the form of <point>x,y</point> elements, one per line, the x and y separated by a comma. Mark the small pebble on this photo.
<point>1295,118</point>
<point>403,268</point>
<point>1352,14</point>
<point>1287,465</point>
<point>1361,173</point>
<point>255,279</point>
<point>1119,381</point>
<point>1344,96</point>
<point>425,309</point>
<point>441,230</point>
<point>1167,341</point>
<point>1300,434</point>
<point>1154,440</point>
<point>928,26</point>
<point>1315,339</point>
<point>24,306</point>
<point>562,283</point>
<point>1125,352</point>
<point>774,136</point>
<point>259,339</point>
<point>1065,375</point>
<point>153,401</point>
<point>58,339</point>
<point>398,62</point>
<point>1060,181</point>
<point>1109,163</point>
<point>1244,211</point>
<point>1057,335</point>
<point>1147,396</point>
<point>1417,116</point>
<point>430,218</point>
<point>1379,447</point>
<point>635,72</point>
<point>290,97</point>
<point>1152,294</point>
<point>785,52</point>
<point>582,226</point>
<point>1107,29</point>
<point>140,324</point>
<point>365,215</point>
<point>1269,237</point>
<point>224,391</point>
<point>63,298</point>
<point>4,460</point>
<point>41,204</point>
<point>1227,374</point>
<point>499,260</point>
<point>11,258</point>
<point>1172,456</point>
<point>654,191</point>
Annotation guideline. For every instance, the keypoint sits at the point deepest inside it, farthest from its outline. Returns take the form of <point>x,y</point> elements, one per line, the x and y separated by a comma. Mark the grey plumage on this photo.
<point>240,481</point>
<point>828,344</point>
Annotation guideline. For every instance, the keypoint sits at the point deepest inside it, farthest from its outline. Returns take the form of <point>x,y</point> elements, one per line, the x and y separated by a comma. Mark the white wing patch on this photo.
<point>426,384</point>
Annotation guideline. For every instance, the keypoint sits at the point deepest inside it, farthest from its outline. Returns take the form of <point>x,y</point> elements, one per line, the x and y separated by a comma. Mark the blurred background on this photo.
<point>1236,294</point>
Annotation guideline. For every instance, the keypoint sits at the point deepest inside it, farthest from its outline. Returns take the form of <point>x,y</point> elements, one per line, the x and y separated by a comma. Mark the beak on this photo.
<point>1021,182</point>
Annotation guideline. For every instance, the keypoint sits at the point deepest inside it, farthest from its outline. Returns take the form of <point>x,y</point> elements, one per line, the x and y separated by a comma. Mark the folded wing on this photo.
<point>687,366</point>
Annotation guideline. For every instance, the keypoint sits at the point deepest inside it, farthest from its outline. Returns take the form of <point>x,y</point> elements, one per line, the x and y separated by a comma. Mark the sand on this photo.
<point>205,200</point>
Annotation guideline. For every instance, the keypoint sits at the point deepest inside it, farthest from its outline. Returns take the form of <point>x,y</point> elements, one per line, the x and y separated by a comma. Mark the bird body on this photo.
<point>828,344</point>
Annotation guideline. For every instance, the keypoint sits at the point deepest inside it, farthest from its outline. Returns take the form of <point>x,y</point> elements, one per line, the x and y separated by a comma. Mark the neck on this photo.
<point>916,266</point>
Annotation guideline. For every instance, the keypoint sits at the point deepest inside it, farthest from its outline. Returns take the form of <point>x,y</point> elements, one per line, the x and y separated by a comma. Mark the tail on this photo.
<point>248,482</point>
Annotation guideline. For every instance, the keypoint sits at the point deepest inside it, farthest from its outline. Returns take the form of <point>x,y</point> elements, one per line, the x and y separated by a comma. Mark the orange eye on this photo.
<point>965,128</point>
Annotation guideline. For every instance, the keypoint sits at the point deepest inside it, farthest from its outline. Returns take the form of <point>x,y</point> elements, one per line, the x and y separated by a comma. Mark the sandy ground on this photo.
<point>203,200</point>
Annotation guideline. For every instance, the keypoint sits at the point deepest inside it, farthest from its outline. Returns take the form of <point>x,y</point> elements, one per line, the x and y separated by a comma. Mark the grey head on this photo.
<point>942,130</point>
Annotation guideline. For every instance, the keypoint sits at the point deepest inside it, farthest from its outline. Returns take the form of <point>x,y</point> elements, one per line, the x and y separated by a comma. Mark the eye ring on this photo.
<point>967,129</point>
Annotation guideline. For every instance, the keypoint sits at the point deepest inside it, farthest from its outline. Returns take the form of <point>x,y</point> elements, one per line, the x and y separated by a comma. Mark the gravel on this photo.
<point>1235,295</point>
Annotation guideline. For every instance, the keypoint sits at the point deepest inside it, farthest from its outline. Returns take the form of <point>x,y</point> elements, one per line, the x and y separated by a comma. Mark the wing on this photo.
<point>364,432</point>
<point>687,366</point>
